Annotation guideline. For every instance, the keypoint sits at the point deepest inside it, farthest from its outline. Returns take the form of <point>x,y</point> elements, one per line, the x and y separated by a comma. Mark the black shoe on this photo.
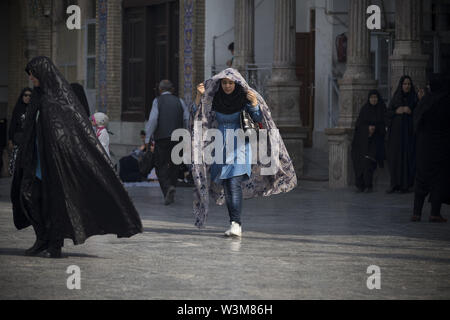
<point>52,252</point>
<point>438,219</point>
<point>415,218</point>
<point>38,247</point>
<point>359,190</point>
<point>369,190</point>
<point>170,196</point>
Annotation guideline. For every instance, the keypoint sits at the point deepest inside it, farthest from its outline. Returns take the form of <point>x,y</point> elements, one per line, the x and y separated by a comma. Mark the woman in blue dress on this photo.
<point>219,104</point>
<point>228,103</point>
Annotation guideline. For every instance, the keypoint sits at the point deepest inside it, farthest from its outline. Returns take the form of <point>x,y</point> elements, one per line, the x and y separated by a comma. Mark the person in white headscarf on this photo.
<point>100,122</point>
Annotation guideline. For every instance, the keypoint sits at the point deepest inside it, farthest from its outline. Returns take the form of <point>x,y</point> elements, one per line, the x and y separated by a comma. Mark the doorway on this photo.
<point>150,53</point>
<point>305,56</point>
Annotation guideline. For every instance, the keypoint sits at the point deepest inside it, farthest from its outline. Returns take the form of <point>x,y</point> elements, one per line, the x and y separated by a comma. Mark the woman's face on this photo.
<point>26,97</point>
<point>34,80</point>
<point>373,99</point>
<point>406,85</point>
<point>228,86</point>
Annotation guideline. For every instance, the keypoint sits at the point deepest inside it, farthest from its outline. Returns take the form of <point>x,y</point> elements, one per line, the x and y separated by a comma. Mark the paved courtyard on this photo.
<point>313,243</point>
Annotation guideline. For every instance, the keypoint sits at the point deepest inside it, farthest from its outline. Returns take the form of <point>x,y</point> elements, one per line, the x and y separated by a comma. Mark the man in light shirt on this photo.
<point>168,114</point>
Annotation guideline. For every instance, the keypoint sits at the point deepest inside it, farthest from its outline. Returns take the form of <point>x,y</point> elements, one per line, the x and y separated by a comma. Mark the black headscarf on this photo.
<point>79,92</point>
<point>230,103</point>
<point>380,99</point>
<point>362,145</point>
<point>411,96</point>
<point>17,120</point>
<point>439,83</point>
<point>20,99</point>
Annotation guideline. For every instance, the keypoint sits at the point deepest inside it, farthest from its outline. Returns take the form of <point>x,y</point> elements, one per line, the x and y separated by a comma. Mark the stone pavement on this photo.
<point>313,243</point>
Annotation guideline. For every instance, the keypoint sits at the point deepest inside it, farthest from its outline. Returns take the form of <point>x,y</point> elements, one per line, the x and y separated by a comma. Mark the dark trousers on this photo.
<point>36,212</point>
<point>1,159</point>
<point>166,170</point>
<point>233,196</point>
<point>419,200</point>
<point>42,228</point>
<point>422,190</point>
<point>365,180</point>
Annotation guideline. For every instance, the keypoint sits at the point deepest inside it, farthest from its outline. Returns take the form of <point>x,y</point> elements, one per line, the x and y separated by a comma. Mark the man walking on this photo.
<point>168,114</point>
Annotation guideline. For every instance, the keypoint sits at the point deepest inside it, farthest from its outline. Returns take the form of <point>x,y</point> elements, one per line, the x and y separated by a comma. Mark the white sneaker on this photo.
<point>235,230</point>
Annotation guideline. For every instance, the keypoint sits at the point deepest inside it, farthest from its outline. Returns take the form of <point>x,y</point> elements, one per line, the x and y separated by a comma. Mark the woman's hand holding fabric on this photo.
<point>252,98</point>
<point>200,93</point>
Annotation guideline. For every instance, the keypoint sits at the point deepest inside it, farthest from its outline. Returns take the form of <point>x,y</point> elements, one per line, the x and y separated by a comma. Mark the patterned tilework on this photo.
<point>102,33</point>
<point>188,50</point>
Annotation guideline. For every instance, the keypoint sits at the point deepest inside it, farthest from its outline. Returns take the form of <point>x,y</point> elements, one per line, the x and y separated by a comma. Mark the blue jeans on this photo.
<point>233,196</point>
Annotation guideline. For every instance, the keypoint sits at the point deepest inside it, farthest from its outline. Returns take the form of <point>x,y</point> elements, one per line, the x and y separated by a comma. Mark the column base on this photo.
<point>340,166</point>
<point>283,98</point>
<point>125,138</point>
<point>353,95</point>
<point>293,138</point>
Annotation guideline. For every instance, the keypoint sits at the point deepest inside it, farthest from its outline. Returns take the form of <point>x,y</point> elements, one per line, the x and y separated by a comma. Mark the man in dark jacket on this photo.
<point>168,114</point>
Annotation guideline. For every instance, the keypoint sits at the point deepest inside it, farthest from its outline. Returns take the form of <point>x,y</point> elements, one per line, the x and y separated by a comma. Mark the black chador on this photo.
<point>401,143</point>
<point>368,141</point>
<point>431,124</point>
<point>64,184</point>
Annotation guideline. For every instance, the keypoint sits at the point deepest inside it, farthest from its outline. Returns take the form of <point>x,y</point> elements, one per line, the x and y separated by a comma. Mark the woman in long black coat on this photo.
<point>64,184</point>
<point>401,143</point>
<point>431,124</point>
<point>368,141</point>
<point>15,132</point>
<point>79,92</point>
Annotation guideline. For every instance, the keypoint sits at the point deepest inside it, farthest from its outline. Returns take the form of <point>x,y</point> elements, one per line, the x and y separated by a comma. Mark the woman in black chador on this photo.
<point>64,184</point>
<point>79,92</point>
<point>16,128</point>
<point>368,141</point>
<point>401,145</point>
<point>431,124</point>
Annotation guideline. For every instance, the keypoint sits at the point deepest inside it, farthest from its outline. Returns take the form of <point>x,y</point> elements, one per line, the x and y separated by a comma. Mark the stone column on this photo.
<point>283,92</point>
<point>19,52</point>
<point>81,36</point>
<point>357,81</point>
<point>284,42</point>
<point>29,28</point>
<point>407,57</point>
<point>244,34</point>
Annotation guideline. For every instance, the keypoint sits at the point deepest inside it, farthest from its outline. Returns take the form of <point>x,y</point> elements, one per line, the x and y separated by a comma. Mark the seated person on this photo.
<point>131,166</point>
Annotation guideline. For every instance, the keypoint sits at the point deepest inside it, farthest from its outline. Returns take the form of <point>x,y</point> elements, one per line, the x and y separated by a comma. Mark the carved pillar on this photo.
<point>407,57</point>
<point>244,34</point>
<point>357,81</point>
<point>30,14</point>
<point>284,88</point>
